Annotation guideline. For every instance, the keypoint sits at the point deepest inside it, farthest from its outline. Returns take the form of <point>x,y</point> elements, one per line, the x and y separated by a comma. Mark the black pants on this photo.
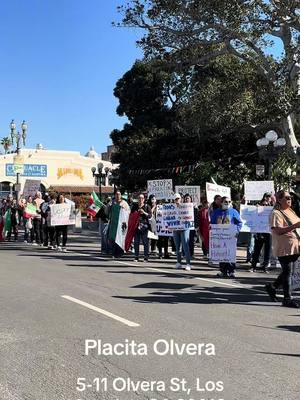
<point>38,230</point>
<point>192,241</point>
<point>51,235</point>
<point>260,240</point>
<point>162,243</point>
<point>227,268</point>
<point>284,279</point>
<point>61,230</point>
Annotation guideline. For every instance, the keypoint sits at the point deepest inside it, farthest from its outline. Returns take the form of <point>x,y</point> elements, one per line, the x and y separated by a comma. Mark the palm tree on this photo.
<point>6,143</point>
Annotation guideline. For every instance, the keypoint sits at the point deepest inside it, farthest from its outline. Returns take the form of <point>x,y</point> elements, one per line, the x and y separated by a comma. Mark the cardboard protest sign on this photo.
<point>31,187</point>
<point>62,214</point>
<point>212,190</point>
<point>255,218</point>
<point>161,188</point>
<point>178,217</point>
<point>254,190</point>
<point>222,243</point>
<point>193,191</point>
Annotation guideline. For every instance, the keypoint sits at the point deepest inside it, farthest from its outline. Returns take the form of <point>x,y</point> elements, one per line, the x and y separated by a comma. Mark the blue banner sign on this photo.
<point>30,170</point>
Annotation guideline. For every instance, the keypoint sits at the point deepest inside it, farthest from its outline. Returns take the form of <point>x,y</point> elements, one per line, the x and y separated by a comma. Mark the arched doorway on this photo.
<point>6,188</point>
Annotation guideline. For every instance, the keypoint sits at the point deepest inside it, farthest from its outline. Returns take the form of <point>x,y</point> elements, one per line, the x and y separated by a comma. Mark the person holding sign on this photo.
<point>181,239</point>
<point>61,230</point>
<point>227,215</point>
<point>141,234</point>
<point>285,226</point>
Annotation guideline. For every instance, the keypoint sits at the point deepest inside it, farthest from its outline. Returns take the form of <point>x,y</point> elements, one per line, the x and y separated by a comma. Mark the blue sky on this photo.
<point>60,60</point>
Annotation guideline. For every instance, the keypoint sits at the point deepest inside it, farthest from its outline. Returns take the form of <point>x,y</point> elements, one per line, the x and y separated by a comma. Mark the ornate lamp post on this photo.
<point>18,159</point>
<point>100,175</point>
<point>269,148</point>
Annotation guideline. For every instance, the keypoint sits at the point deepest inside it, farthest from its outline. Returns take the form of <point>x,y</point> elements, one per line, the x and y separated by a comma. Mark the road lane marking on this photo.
<point>101,311</point>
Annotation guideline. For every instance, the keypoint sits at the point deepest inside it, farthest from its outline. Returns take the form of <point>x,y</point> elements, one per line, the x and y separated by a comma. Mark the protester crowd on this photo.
<point>126,225</point>
<point>33,215</point>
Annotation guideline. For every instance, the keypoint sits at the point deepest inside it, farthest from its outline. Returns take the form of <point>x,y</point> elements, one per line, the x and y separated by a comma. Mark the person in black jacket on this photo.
<point>143,227</point>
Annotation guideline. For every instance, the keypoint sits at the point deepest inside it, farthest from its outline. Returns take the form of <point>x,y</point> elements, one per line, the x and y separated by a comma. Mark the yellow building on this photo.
<point>64,171</point>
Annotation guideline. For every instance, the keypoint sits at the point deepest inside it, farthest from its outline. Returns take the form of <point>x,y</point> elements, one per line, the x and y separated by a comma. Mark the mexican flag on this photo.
<point>118,225</point>
<point>94,205</point>
<point>29,211</point>
<point>7,219</point>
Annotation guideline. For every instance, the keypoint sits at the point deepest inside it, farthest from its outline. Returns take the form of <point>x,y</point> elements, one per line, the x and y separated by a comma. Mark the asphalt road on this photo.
<point>43,334</point>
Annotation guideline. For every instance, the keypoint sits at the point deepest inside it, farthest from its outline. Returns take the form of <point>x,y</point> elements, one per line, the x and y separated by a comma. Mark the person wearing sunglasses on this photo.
<point>285,226</point>
<point>226,215</point>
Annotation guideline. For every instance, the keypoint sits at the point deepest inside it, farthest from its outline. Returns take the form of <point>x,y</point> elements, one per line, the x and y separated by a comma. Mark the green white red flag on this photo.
<point>94,205</point>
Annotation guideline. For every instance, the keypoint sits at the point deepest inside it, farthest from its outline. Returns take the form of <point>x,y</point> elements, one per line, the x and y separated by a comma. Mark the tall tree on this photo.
<point>6,144</point>
<point>192,33</point>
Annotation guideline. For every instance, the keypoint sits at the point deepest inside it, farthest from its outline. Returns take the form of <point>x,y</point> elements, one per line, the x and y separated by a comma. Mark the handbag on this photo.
<point>289,222</point>
<point>152,236</point>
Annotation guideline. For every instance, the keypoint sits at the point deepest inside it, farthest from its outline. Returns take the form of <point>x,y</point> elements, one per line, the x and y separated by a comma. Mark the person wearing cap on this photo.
<point>181,239</point>
<point>227,215</point>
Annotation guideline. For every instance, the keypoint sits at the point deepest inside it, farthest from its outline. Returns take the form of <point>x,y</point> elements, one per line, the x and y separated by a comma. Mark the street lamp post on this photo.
<point>99,175</point>
<point>269,148</point>
<point>18,159</point>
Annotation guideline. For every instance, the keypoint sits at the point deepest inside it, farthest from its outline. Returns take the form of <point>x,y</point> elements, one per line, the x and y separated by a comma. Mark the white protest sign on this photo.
<point>212,190</point>
<point>193,191</point>
<point>161,230</point>
<point>161,188</point>
<point>254,190</point>
<point>296,275</point>
<point>62,214</point>
<point>178,217</point>
<point>31,187</point>
<point>222,243</point>
<point>255,218</point>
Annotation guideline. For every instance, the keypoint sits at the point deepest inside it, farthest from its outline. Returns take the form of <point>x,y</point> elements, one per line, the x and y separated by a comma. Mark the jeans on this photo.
<point>105,245</point>
<point>284,279</point>
<point>138,237</point>
<point>262,239</point>
<point>181,239</point>
<point>38,231</point>
<point>250,246</point>
<point>192,241</point>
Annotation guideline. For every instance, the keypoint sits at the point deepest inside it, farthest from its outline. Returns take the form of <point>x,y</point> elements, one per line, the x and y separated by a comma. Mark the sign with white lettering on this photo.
<point>222,243</point>
<point>161,188</point>
<point>30,170</point>
<point>212,190</point>
<point>62,214</point>
<point>193,191</point>
<point>178,217</point>
<point>254,190</point>
<point>256,218</point>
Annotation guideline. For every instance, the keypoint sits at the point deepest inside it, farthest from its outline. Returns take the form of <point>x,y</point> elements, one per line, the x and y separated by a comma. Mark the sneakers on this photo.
<point>64,250</point>
<point>178,266</point>
<point>231,275</point>
<point>146,259</point>
<point>136,260</point>
<point>221,275</point>
<point>59,248</point>
<point>290,303</point>
<point>188,267</point>
<point>271,292</point>
<point>50,247</point>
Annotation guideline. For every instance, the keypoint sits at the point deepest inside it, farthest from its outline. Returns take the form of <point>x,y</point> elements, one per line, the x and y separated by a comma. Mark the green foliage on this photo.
<point>6,143</point>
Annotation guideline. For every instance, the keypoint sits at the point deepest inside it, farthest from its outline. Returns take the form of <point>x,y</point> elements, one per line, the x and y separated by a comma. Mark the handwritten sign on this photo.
<point>178,217</point>
<point>161,188</point>
<point>212,190</point>
<point>31,187</point>
<point>62,214</point>
<point>193,191</point>
<point>222,243</point>
<point>255,219</point>
<point>254,190</point>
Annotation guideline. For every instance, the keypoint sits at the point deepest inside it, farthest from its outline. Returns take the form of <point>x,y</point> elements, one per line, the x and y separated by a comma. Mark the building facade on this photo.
<point>62,171</point>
